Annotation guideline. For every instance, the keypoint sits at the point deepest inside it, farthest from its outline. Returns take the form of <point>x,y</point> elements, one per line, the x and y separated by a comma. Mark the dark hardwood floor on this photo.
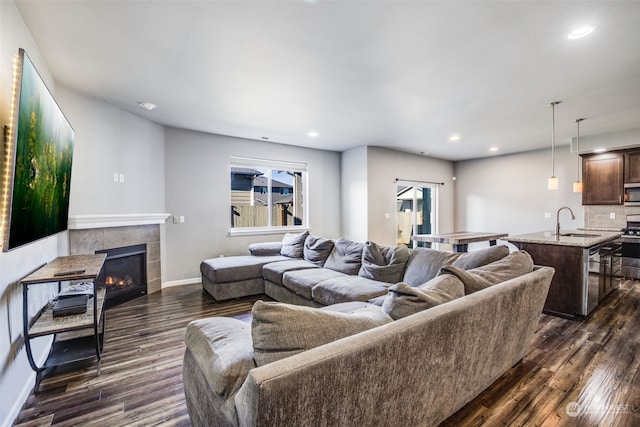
<point>577,373</point>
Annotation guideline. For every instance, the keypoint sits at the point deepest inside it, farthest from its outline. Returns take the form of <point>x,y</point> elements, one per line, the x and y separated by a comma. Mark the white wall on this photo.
<point>16,376</point>
<point>369,191</point>
<point>355,194</point>
<point>108,140</point>
<point>198,187</point>
<point>509,193</point>
<point>384,167</point>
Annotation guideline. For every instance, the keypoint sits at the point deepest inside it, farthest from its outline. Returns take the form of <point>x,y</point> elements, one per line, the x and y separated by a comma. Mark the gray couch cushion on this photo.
<point>348,288</point>
<point>302,281</point>
<point>265,248</point>
<point>293,244</point>
<point>481,257</point>
<point>236,268</point>
<point>274,271</point>
<point>346,256</point>
<point>317,249</point>
<point>223,349</point>
<point>403,300</point>
<point>513,265</point>
<point>351,307</point>
<point>383,263</point>
<point>425,263</point>
<point>281,330</point>
<point>378,300</point>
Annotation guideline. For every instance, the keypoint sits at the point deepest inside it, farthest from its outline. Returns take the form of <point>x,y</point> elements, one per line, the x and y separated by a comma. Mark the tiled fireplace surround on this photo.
<point>89,240</point>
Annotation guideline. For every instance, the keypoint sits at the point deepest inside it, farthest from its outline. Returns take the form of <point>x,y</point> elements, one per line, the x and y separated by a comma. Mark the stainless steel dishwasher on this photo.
<point>602,273</point>
<point>592,274</point>
<point>610,255</point>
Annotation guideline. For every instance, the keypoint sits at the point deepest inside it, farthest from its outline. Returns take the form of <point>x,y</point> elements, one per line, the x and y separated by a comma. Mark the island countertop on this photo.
<point>581,238</point>
<point>460,239</point>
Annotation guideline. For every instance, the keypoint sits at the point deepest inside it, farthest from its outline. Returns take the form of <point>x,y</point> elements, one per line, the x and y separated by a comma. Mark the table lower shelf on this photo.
<point>72,350</point>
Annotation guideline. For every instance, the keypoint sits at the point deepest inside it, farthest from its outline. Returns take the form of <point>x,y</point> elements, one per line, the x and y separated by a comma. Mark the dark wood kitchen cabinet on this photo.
<point>602,175</point>
<point>632,167</point>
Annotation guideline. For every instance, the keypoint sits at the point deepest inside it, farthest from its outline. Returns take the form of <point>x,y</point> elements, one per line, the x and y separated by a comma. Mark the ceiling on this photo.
<point>403,75</point>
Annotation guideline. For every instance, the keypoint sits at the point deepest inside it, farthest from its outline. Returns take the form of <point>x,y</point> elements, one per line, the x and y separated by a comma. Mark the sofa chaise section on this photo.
<point>235,276</point>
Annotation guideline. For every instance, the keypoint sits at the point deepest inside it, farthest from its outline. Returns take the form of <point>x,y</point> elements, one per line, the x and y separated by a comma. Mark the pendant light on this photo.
<point>577,186</point>
<point>552,183</point>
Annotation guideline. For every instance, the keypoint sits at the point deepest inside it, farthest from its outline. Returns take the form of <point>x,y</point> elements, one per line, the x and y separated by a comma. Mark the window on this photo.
<point>267,195</point>
<point>415,213</point>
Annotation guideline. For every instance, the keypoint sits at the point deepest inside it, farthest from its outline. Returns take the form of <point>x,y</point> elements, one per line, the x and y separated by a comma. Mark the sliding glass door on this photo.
<point>416,211</point>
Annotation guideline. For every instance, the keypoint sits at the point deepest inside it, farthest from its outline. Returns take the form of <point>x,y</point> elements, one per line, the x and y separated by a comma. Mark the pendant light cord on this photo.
<point>553,137</point>
<point>578,148</point>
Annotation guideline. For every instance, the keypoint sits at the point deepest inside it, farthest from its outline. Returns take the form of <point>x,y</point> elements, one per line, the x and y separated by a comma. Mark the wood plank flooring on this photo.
<point>577,373</point>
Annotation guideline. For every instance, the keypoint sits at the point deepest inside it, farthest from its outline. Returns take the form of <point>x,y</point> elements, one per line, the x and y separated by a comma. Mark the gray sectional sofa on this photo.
<point>414,355</point>
<point>316,272</point>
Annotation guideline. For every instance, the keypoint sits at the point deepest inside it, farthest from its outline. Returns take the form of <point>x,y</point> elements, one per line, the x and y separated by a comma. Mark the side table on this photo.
<point>66,348</point>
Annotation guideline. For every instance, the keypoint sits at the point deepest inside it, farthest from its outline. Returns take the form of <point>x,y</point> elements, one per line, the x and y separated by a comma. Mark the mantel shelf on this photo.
<point>84,222</point>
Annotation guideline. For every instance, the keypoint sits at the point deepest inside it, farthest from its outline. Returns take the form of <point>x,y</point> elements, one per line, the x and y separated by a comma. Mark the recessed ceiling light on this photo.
<point>581,32</point>
<point>148,105</point>
<point>493,149</point>
<point>454,138</point>
<point>313,134</point>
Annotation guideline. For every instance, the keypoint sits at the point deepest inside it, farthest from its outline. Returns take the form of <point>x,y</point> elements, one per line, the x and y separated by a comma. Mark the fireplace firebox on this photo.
<point>124,274</point>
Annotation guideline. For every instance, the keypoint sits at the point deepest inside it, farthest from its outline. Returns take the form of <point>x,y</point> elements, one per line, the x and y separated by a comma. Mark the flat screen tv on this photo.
<point>39,160</point>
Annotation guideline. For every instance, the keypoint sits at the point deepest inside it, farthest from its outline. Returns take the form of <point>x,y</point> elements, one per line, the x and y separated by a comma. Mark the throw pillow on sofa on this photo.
<point>346,257</point>
<point>468,260</point>
<point>424,263</point>
<point>403,300</point>
<point>293,244</point>
<point>317,249</point>
<point>513,265</point>
<point>281,330</point>
<point>383,263</point>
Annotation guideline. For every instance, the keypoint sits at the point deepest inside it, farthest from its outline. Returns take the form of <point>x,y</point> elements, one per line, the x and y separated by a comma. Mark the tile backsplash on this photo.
<point>599,217</point>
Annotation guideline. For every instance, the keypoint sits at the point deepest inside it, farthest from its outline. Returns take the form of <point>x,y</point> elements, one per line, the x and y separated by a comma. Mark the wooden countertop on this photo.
<point>589,238</point>
<point>74,267</point>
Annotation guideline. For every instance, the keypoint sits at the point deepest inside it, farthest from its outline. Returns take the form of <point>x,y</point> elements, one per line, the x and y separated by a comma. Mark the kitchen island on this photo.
<point>585,263</point>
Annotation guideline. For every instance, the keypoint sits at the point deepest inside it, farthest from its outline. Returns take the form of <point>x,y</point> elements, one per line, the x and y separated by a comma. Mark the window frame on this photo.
<point>272,165</point>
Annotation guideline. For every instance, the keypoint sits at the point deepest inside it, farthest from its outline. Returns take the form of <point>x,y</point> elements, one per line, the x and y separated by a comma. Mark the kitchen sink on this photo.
<point>579,235</point>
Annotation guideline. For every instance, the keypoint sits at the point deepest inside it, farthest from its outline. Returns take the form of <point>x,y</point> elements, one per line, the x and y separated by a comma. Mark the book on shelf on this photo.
<point>70,305</point>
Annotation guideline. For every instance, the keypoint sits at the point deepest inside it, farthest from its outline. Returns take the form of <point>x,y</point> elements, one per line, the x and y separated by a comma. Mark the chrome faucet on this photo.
<point>558,219</point>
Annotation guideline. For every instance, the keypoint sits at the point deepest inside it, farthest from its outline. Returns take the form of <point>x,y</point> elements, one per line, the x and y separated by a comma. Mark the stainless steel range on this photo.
<point>631,247</point>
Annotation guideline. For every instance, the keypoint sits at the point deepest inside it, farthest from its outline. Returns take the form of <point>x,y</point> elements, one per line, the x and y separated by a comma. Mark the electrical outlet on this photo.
<point>176,219</point>
<point>115,177</point>
<point>181,218</point>
<point>547,215</point>
<point>121,178</point>
<point>612,215</point>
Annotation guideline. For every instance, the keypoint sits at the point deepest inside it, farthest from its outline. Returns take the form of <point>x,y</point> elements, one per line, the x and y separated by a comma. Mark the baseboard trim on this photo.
<point>13,412</point>
<point>182,282</point>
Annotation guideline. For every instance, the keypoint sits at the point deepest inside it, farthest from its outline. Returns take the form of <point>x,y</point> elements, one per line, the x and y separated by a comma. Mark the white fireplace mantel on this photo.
<point>84,222</point>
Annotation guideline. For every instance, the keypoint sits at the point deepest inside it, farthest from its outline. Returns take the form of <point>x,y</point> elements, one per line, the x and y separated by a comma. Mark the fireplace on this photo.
<point>124,273</point>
